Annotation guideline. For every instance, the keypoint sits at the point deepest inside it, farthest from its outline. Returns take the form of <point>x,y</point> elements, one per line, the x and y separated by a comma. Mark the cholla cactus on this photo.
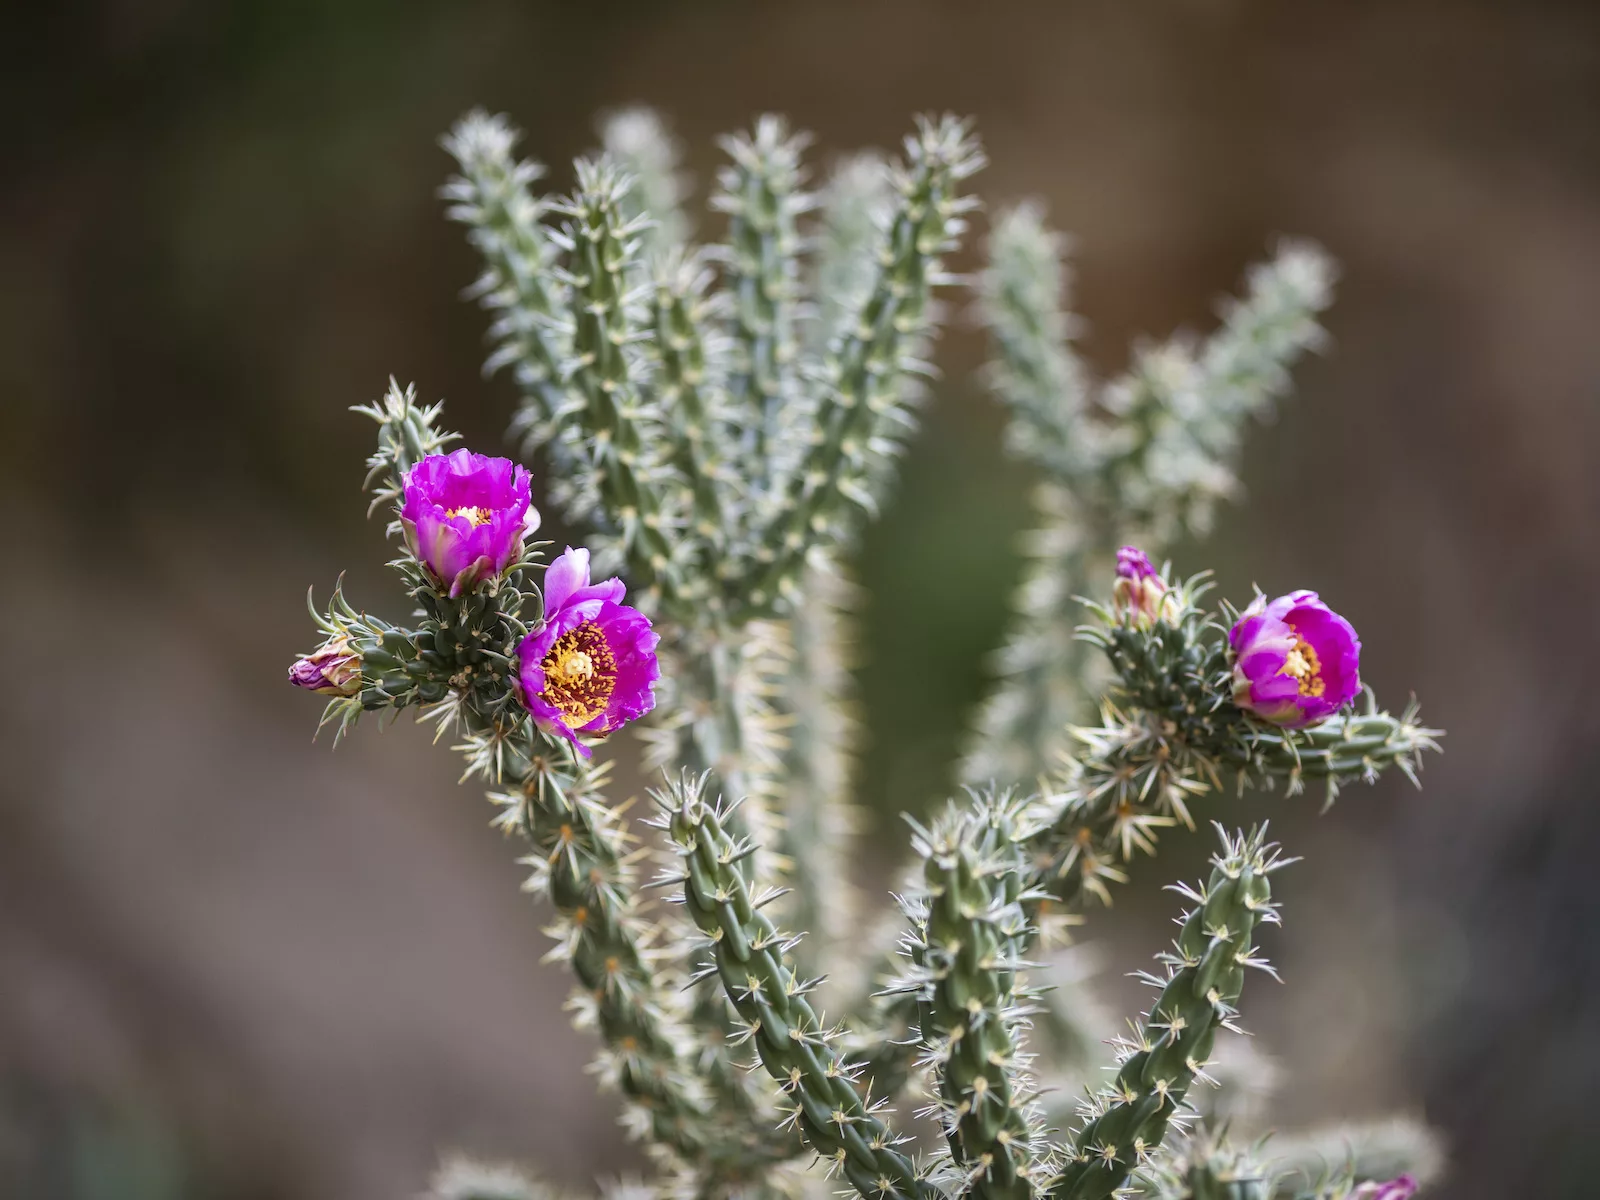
<point>719,421</point>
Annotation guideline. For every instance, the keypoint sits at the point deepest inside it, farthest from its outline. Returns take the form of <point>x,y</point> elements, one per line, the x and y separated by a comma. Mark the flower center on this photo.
<point>579,674</point>
<point>472,512</point>
<point>1305,667</point>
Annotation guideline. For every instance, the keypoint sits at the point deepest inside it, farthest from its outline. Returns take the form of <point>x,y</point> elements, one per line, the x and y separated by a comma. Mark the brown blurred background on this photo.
<point>234,964</point>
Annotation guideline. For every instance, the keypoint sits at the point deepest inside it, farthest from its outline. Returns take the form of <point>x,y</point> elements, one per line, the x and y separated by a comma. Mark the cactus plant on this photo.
<point>719,421</point>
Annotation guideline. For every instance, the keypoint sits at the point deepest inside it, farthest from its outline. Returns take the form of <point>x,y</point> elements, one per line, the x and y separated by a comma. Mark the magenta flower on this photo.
<point>465,516</point>
<point>1402,1188</point>
<point>591,666</point>
<point>1139,592</point>
<point>333,669</point>
<point>1296,661</point>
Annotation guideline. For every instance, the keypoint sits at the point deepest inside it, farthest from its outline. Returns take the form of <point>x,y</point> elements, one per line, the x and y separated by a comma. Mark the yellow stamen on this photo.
<point>579,675</point>
<point>472,512</point>
<point>1302,664</point>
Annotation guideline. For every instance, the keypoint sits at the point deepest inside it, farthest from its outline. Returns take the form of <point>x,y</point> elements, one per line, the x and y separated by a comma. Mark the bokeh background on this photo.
<point>234,964</point>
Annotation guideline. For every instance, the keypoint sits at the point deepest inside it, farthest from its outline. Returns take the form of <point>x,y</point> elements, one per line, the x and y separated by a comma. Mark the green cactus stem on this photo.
<point>972,934</point>
<point>1126,1122</point>
<point>748,955</point>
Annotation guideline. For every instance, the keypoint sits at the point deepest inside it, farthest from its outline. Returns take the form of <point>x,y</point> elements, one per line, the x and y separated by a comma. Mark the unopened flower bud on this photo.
<point>333,669</point>
<point>1402,1188</point>
<point>1139,593</point>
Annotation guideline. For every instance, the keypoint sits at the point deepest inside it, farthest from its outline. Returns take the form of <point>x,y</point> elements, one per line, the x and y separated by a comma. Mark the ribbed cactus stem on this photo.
<point>1179,413</point>
<point>613,429</point>
<point>693,402</point>
<point>493,198</point>
<point>1246,363</point>
<point>1046,672</point>
<point>1144,458</point>
<point>581,862</point>
<point>973,935</point>
<point>762,194</point>
<point>722,723</point>
<point>1024,301</point>
<point>1024,298</point>
<point>854,212</point>
<point>1350,746</point>
<point>1127,1122</point>
<point>860,416</point>
<point>638,141</point>
<point>817,819</point>
<point>749,956</point>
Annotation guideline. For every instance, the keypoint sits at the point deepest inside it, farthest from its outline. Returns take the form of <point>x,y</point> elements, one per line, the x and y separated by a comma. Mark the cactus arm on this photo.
<point>1126,1123</point>
<point>761,191</point>
<point>638,141</point>
<point>1023,300</point>
<point>748,955</point>
<point>1144,458</point>
<point>690,386</point>
<point>580,860</point>
<point>1170,734</point>
<point>854,206</point>
<point>817,819</point>
<point>493,197</point>
<point>1024,303</point>
<point>580,857</point>
<point>861,414</point>
<point>613,430</point>
<point>972,934</point>
<point>572,330</point>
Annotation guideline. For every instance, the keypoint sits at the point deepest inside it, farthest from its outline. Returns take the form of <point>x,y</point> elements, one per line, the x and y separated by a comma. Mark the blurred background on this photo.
<point>235,964</point>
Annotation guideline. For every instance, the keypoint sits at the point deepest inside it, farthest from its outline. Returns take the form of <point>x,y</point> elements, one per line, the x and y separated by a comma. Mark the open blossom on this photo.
<point>591,666</point>
<point>1402,1188</point>
<point>465,516</point>
<point>333,669</point>
<point>1139,592</point>
<point>1296,661</point>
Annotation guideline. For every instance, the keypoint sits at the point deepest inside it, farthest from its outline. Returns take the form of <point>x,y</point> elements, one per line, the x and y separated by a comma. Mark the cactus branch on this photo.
<point>1125,1123</point>
<point>1143,458</point>
<point>637,140</point>
<point>1170,734</point>
<point>812,685</point>
<point>613,429</point>
<point>580,859</point>
<point>493,198</point>
<point>972,935</point>
<point>761,190</point>
<point>748,954</point>
<point>861,417</point>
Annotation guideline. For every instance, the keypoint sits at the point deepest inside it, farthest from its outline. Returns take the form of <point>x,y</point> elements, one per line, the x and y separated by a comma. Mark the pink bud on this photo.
<point>1139,593</point>
<point>333,669</point>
